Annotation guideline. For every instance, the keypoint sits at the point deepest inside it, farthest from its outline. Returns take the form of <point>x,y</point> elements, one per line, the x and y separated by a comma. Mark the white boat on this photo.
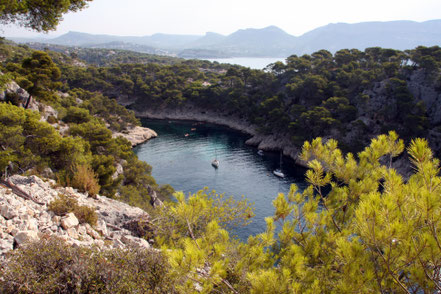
<point>215,163</point>
<point>260,152</point>
<point>278,172</point>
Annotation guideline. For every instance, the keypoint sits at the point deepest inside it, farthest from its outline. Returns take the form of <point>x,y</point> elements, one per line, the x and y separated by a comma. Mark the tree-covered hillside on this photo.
<point>351,95</point>
<point>73,143</point>
<point>358,225</point>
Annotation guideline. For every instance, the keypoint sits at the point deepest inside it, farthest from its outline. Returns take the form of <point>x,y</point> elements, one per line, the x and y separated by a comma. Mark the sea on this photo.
<point>251,62</point>
<point>182,153</point>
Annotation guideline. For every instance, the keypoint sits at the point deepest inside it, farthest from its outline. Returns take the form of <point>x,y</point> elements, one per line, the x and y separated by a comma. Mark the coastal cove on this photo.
<point>184,162</point>
<point>266,142</point>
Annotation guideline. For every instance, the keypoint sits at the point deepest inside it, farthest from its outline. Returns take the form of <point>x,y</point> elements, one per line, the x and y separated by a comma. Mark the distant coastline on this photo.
<point>251,62</point>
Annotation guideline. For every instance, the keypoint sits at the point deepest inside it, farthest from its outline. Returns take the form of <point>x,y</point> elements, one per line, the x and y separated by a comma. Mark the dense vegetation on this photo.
<point>357,227</point>
<point>82,153</point>
<point>309,96</point>
<point>49,266</point>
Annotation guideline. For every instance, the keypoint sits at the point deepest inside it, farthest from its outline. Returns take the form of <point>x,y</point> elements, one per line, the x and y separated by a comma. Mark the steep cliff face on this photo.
<point>24,217</point>
<point>425,89</point>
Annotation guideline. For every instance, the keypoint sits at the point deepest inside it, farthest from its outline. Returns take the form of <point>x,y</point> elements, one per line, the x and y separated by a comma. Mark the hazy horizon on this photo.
<point>196,17</point>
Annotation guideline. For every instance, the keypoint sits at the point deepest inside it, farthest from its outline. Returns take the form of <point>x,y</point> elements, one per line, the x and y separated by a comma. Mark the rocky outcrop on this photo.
<point>22,98</point>
<point>14,91</point>
<point>23,220</point>
<point>136,135</point>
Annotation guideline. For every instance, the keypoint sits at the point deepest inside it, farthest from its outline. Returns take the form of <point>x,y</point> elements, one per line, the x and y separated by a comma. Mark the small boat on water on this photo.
<point>278,172</point>
<point>193,129</point>
<point>186,135</point>
<point>260,152</point>
<point>215,163</point>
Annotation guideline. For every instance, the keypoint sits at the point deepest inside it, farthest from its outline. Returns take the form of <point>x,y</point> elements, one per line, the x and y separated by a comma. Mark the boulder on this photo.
<point>134,241</point>
<point>32,224</point>
<point>72,232</point>
<point>91,232</point>
<point>8,212</point>
<point>82,230</point>
<point>69,221</point>
<point>118,244</point>
<point>56,220</point>
<point>6,244</point>
<point>154,199</point>
<point>101,227</point>
<point>9,228</point>
<point>25,237</point>
<point>47,173</point>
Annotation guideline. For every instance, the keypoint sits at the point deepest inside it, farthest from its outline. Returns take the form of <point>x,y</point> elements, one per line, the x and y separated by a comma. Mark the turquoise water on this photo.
<point>185,163</point>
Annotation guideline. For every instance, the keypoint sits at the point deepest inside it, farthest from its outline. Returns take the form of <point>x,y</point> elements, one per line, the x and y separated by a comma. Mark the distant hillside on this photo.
<point>399,35</point>
<point>267,42</point>
<point>209,39</point>
<point>160,41</point>
<point>129,46</point>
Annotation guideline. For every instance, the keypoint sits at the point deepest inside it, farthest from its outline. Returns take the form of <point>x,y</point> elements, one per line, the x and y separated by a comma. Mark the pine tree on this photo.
<point>372,232</point>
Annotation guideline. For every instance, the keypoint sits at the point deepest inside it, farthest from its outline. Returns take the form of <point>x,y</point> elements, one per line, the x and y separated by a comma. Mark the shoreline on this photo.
<point>262,142</point>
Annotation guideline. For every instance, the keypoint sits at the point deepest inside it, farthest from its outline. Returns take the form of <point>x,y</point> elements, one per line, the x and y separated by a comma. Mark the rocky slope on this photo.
<point>135,134</point>
<point>23,220</point>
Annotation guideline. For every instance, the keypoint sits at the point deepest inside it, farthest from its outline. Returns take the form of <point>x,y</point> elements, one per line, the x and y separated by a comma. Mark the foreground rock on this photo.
<point>23,220</point>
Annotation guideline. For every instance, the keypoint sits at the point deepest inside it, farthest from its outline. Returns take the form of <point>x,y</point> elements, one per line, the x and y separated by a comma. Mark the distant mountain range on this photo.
<point>267,42</point>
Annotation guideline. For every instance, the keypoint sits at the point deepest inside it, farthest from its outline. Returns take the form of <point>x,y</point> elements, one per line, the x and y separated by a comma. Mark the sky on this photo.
<point>196,17</point>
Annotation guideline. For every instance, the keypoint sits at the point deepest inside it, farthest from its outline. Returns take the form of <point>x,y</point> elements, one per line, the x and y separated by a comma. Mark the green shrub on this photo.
<point>86,214</point>
<point>85,179</point>
<point>76,115</point>
<point>64,204</point>
<point>166,192</point>
<point>52,119</point>
<point>51,266</point>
